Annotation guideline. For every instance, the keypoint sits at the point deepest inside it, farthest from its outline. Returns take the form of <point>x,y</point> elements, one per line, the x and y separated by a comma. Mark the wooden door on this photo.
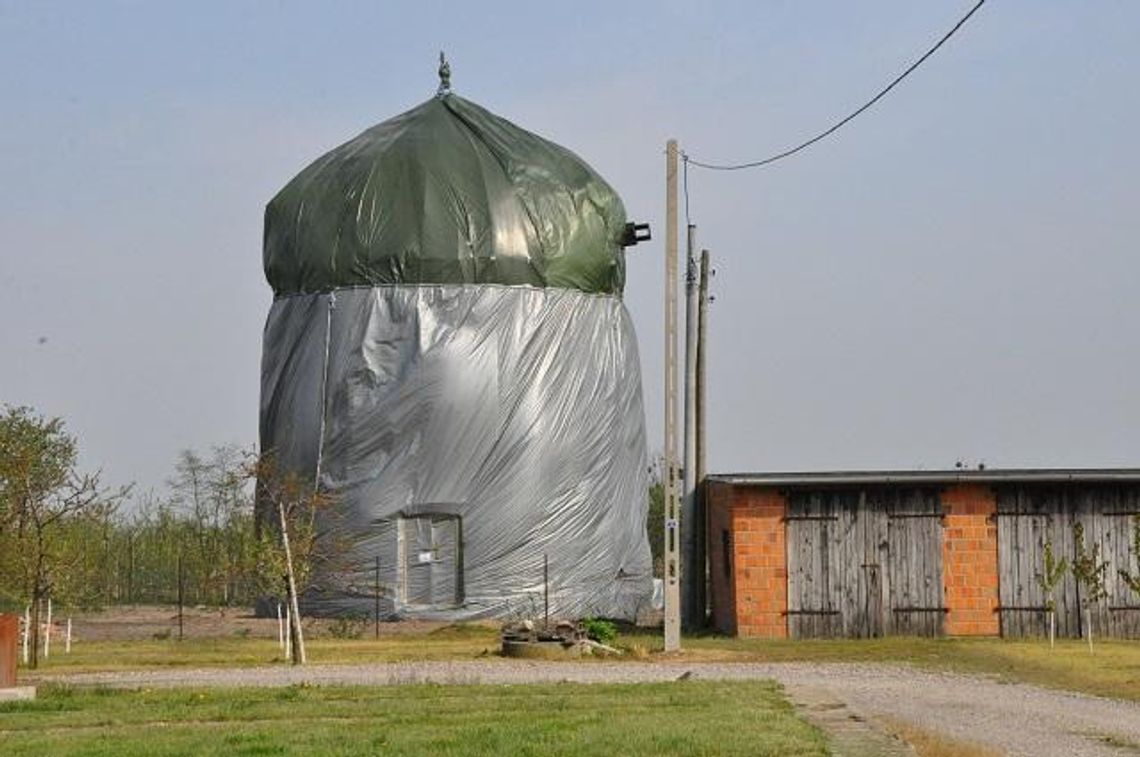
<point>431,561</point>
<point>835,565</point>
<point>1029,517</point>
<point>914,535</point>
<point>864,563</point>
<point>815,522</point>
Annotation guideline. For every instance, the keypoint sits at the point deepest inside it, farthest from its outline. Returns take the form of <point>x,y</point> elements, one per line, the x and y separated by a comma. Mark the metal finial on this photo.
<point>444,76</point>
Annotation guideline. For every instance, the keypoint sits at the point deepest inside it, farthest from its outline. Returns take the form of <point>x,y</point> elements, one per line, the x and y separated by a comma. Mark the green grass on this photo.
<point>680,718</point>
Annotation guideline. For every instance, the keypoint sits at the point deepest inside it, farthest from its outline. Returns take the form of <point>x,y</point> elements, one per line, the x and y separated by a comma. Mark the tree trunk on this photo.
<point>34,630</point>
<point>295,633</point>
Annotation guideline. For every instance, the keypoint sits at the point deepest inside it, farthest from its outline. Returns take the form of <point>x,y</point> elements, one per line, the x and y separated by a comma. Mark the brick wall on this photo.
<point>748,561</point>
<point>970,561</point>
<point>9,631</point>
<point>754,518</point>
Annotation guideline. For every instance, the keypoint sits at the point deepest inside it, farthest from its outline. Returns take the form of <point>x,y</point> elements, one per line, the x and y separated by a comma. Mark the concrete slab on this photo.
<point>16,693</point>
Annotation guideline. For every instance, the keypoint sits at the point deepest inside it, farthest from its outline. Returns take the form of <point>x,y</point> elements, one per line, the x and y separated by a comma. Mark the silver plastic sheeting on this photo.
<point>469,433</point>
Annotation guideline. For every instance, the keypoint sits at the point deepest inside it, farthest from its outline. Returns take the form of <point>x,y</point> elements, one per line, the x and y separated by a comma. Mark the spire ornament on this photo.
<point>444,76</point>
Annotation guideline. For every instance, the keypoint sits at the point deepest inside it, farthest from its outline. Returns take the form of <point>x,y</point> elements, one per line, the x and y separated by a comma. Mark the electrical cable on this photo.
<point>838,125</point>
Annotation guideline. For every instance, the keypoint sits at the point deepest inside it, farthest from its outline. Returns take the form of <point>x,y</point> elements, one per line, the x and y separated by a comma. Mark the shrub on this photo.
<point>348,627</point>
<point>601,631</point>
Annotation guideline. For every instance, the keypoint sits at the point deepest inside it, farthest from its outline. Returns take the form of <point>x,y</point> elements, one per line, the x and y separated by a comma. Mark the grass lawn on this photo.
<point>680,718</point>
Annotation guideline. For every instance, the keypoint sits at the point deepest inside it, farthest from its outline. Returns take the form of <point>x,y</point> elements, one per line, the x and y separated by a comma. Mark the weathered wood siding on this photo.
<point>1028,516</point>
<point>864,563</point>
<point>914,524</point>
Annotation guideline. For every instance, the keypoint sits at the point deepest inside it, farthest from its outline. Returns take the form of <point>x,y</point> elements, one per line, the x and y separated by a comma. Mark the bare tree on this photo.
<point>214,496</point>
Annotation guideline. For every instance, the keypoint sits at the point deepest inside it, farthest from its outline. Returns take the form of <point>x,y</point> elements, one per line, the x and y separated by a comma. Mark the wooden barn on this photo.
<point>928,553</point>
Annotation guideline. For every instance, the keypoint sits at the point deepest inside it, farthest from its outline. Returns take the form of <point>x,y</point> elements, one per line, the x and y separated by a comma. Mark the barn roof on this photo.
<point>925,477</point>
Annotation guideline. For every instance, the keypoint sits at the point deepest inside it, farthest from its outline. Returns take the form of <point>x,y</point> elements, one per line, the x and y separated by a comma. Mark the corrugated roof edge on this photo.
<point>995,475</point>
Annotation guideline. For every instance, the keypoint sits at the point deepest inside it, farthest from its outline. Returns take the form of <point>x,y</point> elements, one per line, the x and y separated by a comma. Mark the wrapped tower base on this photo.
<point>469,433</point>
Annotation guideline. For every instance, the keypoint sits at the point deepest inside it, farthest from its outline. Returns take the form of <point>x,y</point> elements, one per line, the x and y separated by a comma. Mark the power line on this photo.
<point>835,127</point>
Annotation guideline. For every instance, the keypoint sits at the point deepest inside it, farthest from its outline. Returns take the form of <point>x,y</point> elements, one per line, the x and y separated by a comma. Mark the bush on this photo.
<point>601,631</point>
<point>348,627</point>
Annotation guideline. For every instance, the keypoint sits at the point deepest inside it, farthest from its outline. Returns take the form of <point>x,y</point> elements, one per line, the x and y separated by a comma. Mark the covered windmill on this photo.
<point>449,356</point>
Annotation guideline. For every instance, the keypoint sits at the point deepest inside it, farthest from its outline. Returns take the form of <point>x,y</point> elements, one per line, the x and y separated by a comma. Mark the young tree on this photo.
<point>1089,570</point>
<point>1053,571</point>
<point>288,543</point>
<point>41,494</point>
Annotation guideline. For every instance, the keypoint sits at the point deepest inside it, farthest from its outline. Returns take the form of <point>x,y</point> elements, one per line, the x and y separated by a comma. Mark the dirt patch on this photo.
<point>141,622</point>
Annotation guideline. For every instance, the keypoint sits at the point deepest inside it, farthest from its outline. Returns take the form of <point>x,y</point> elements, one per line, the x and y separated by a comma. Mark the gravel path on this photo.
<point>1016,718</point>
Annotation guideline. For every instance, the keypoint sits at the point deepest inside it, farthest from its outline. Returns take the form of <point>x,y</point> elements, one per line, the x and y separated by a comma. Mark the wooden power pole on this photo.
<point>692,567</point>
<point>672,500</point>
<point>701,466</point>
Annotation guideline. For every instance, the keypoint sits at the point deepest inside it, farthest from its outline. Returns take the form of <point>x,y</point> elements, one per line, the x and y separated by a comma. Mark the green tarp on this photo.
<point>446,193</point>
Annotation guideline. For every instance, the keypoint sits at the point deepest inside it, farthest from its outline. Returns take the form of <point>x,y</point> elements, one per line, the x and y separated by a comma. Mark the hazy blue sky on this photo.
<point>955,275</point>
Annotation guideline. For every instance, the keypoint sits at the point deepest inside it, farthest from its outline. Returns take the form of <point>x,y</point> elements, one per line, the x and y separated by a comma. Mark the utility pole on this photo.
<point>692,571</point>
<point>672,503</point>
<point>702,450</point>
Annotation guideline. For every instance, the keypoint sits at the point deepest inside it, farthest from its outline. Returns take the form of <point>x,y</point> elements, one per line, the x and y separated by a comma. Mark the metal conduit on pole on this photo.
<point>692,571</point>
<point>672,568</point>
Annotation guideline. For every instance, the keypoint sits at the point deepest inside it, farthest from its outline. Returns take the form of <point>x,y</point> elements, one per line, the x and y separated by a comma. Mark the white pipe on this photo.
<point>280,628</point>
<point>67,646</point>
<point>47,632</point>
<point>27,630</point>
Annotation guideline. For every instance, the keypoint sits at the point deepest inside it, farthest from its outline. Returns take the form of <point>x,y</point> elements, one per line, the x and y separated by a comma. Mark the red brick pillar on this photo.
<point>970,561</point>
<point>9,631</point>
<point>760,563</point>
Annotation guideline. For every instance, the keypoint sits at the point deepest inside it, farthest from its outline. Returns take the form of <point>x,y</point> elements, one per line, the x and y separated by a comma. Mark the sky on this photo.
<point>952,276</point>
